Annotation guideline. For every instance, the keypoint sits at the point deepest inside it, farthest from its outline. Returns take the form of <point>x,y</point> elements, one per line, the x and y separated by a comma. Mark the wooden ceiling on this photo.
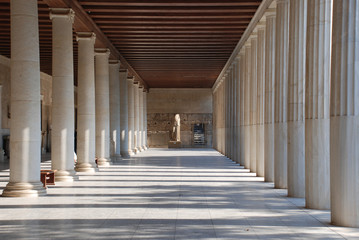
<point>165,43</point>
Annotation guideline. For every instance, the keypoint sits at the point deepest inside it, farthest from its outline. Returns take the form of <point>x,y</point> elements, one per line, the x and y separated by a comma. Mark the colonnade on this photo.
<point>111,109</point>
<point>298,103</point>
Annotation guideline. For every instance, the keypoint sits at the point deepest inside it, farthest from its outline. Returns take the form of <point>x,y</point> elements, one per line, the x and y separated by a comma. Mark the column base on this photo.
<point>130,152</point>
<point>85,167</point>
<point>140,149</point>
<point>24,189</point>
<point>125,154</point>
<point>135,150</point>
<point>144,147</point>
<point>65,176</point>
<point>116,157</point>
<point>103,162</point>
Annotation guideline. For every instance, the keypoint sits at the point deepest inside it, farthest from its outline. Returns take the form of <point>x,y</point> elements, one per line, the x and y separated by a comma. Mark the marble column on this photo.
<point>140,118</point>
<point>242,77</point>
<point>344,114</point>
<point>269,96</point>
<point>281,94</point>
<point>145,117</point>
<point>246,126</point>
<point>131,116</point>
<point>135,117</point>
<point>231,112</point>
<point>296,81</point>
<point>25,142</point>
<point>260,98</point>
<point>144,122</point>
<point>86,130</point>
<point>253,103</point>
<point>102,91</point>
<point>223,114</point>
<point>226,112</point>
<point>63,102</point>
<point>317,96</point>
<point>237,110</point>
<point>115,130</point>
<point>124,114</point>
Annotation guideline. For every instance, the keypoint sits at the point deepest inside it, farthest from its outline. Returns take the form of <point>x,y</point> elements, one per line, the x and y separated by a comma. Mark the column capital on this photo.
<point>114,62</point>
<point>282,1</point>
<point>102,51</point>
<point>90,36</point>
<point>67,13</point>
<point>131,79</point>
<point>270,12</point>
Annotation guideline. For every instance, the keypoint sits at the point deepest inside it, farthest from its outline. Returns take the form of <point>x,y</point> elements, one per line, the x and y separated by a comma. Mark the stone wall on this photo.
<point>193,105</point>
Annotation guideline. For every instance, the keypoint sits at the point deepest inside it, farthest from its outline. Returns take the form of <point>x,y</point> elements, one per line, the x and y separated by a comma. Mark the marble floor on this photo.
<point>165,194</point>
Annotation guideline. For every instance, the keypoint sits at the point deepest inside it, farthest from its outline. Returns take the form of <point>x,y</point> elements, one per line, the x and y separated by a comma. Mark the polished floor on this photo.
<point>165,194</point>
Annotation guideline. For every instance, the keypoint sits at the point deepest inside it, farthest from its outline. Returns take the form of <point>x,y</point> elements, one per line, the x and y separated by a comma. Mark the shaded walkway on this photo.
<point>165,194</point>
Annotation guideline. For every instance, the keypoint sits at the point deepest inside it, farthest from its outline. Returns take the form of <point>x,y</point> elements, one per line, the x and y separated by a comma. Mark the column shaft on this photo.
<point>144,122</point>
<point>281,95</point>
<point>131,115</point>
<point>344,111</point>
<point>242,74</point>
<point>296,81</point>
<point>25,142</point>
<point>115,130</point>
<point>102,92</point>
<point>135,118</point>
<point>86,124</point>
<point>317,95</point>
<point>260,99</point>
<point>140,118</point>
<point>247,80</point>
<point>124,114</point>
<point>253,105</point>
<point>269,96</point>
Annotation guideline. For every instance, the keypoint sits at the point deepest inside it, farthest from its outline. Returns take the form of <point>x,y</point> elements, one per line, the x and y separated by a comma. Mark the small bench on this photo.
<point>47,177</point>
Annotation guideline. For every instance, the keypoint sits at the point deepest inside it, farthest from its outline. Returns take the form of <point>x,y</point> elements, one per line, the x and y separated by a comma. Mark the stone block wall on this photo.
<point>193,105</point>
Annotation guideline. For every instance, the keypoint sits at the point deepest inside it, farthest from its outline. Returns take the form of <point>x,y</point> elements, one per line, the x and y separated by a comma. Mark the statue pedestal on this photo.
<point>174,144</point>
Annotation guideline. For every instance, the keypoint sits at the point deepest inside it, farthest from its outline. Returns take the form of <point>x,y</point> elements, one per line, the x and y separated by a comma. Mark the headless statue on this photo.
<point>176,132</point>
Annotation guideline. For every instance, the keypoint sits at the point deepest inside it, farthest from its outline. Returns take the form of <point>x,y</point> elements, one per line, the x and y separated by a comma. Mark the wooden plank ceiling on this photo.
<point>168,43</point>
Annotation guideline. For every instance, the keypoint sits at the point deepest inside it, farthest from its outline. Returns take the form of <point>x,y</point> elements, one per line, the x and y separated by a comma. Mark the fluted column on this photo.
<point>296,81</point>
<point>226,114</point>
<point>317,95</point>
<point>63,120</point>
<point>115,131</point>
<point>144,122</point>
<point>86,130</point>
<point>253,103</point>
<point>124,114</point>
<point>281,94</point>
<point>242,78</point>
<point>140,118</point>
<point>246,126</point>
<point>102,92</point>
<point>237,110</point>
<point>269,96</point>
<point>25,142</point>
<point>131,116</point>
<point>231,112</point>
<point>136,122</point>
<point>344,111</point>
<point>260,98</point>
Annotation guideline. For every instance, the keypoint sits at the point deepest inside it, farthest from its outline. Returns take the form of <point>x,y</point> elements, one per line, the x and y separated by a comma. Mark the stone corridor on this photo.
<point>165,194</point>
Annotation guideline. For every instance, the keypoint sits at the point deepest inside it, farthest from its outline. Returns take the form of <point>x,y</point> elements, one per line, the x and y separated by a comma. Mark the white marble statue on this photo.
<point>176,132</point>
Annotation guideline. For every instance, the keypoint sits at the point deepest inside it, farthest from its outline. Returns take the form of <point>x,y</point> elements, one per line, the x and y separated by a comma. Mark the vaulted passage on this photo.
<point>165,194</point>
